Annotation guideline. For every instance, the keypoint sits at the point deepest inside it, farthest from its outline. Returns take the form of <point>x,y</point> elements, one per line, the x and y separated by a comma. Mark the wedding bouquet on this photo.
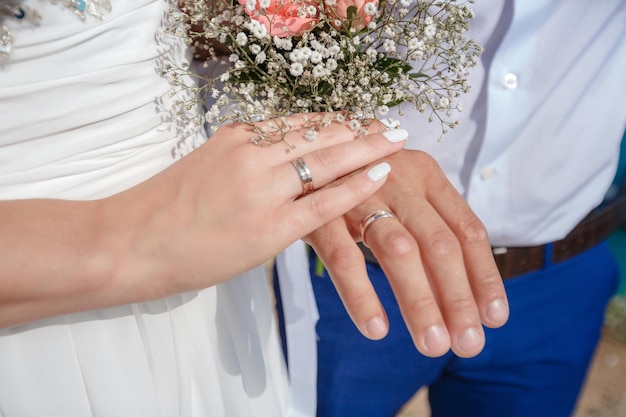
<point>356,58</point>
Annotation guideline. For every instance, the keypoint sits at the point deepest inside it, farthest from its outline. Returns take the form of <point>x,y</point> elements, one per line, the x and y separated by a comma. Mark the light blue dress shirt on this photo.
<point>538,143</point>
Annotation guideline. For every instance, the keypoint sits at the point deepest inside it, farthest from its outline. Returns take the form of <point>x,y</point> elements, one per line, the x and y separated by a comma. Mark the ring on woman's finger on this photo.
<point>371,218</point>
<point>305,175</point>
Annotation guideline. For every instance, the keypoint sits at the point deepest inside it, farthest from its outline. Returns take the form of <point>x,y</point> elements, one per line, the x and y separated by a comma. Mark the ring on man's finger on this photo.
<point>305,175</point>
<point>371,218</point>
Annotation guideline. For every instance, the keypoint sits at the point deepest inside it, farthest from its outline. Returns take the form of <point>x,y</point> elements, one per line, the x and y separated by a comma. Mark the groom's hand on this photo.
<point>435,253</point>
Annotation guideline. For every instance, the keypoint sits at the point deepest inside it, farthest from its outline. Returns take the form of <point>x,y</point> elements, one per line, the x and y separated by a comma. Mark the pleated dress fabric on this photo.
<point>84,114</point>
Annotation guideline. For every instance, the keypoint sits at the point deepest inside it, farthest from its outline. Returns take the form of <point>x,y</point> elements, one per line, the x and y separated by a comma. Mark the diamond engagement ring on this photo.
<point>371,218</point>
<point>305,175</point>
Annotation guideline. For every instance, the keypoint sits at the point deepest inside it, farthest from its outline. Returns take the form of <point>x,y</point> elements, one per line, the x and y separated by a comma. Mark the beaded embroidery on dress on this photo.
<point>19,11</point>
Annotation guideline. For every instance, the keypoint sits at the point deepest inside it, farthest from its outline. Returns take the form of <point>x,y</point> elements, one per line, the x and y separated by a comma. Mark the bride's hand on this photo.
<point>224,208</point>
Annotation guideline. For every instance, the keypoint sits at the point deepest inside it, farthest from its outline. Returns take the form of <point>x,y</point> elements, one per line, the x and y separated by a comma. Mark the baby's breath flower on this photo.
<point>251,5</point>
<point>389,45</point>
<point>319,71</point>
<point>303,56</point>
<point>370,9</point>
<point>296,55</point>
<point>430,31</point>
<point>354,124</point>
<point>316,57</point>
<point>296,69</point>
<point>260,58</point>
<point>242,39</point>
<point>331,64</point>
<point>310,135</point>
<point>257,29</point>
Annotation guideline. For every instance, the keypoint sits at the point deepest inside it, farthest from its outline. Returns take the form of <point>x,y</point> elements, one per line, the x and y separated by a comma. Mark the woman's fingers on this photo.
<point>320,167</point>
<point>253,204</point>
<point>313,210</point>
<point>290,136</point>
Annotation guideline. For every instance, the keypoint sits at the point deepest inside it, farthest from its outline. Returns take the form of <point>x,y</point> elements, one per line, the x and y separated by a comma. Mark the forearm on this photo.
<point>221,210</point>
<point>49,258</point>
<point>61,256</point>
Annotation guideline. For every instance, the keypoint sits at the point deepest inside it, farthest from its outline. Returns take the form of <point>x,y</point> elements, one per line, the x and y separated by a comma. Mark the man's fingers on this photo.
<point>344,262</point>
<point>481,270</point>
<point>398,254</point>
<point>449,280</point>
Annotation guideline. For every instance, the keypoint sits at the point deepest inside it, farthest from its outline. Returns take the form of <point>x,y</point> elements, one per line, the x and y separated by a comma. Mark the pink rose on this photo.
<point>358,20</point>
<point>281,18</point>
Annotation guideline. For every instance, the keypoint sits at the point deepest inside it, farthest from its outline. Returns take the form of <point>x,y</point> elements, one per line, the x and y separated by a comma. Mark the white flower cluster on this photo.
<point>409,52</point>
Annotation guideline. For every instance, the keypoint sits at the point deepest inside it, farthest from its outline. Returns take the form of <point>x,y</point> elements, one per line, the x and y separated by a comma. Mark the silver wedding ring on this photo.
<point>371,218</point>
<point>305,175</point>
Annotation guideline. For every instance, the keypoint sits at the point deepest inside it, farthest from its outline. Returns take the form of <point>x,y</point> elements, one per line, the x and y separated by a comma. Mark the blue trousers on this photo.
<point>534,366</point>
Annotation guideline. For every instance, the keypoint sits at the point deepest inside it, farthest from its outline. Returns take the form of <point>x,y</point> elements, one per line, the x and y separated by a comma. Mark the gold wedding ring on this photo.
<point>371,218</point>
<point>305,175</point>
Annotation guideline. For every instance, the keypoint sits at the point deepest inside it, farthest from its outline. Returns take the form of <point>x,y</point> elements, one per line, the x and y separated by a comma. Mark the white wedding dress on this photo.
<point>79,120</point>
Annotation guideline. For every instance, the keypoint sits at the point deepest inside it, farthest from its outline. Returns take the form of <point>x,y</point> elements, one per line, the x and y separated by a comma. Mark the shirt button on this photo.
<point>487,173</point>
<point>510,81</point>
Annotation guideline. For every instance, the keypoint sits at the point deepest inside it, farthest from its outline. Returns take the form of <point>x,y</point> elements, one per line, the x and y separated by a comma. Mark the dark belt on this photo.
<point>593,229</point>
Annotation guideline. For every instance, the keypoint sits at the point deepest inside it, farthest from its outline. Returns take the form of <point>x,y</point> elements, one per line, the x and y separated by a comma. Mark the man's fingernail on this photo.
<point>471,341</point>
<point>436,340</point>
<point>497,312</point>
<point>376,328</point>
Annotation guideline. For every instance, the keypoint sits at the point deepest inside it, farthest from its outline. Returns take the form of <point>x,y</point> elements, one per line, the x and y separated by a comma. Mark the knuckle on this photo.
<point>320,207</point>
<point>415,307</point>
<point>473,230</point>
<point>344,258</point>
<point>462,303</point>
<point>462,310</point>
<point>444,244</point>
<point>425,160</point>
<point>490,282</point>
<point>397,243</point>
<point>356,301</point>
<point>327,158</point>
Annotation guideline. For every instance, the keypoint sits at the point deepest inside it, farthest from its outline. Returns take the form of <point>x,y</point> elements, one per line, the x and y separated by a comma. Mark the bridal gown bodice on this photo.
<point>84,114</point>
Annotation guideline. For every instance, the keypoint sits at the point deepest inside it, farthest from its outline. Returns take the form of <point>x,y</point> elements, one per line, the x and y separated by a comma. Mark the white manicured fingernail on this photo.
<point>378,172</point>
<point>390,123</point>
<point>396,135</point>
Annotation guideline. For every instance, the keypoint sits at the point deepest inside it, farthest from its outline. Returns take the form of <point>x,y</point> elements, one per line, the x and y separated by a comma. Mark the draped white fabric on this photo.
<point>301,315</point>
<point>86,128</point>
